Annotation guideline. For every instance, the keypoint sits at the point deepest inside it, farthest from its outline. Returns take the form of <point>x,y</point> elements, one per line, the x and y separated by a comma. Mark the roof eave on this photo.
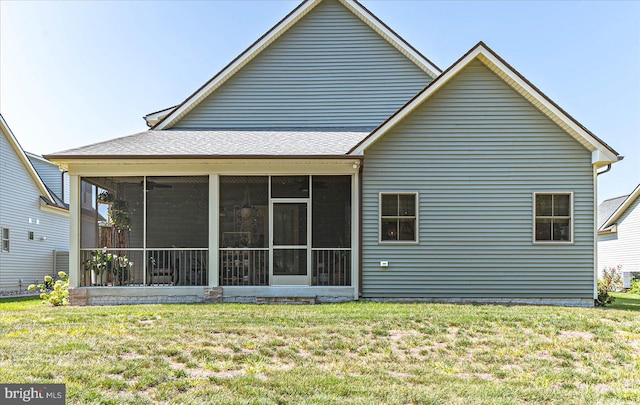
<point>613,218</point>
<point>276,32</point>
<point>13,141</point>
<point>601,152</point>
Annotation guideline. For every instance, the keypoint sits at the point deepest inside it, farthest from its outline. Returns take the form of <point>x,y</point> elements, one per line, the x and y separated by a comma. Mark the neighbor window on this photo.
<point>398,213</point>
<point>31,235</point>
<point>5,239</point>
<point>553,216</point>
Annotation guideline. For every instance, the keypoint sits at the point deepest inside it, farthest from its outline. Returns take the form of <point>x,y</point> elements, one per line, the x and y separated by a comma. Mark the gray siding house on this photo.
<point>619,235</point>
<point>332,161</point>
<point>34,221</point>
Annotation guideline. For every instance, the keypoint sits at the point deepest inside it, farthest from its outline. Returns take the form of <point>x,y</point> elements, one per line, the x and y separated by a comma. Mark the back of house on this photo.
<point>333,161</point>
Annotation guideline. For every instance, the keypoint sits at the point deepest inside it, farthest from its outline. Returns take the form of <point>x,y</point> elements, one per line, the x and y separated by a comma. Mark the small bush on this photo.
<point>55,293</point>
<point>611,281</point>
<point>635,286</point>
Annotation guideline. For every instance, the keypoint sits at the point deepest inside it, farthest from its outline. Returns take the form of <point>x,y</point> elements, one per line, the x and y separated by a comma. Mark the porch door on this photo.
<point>290,242</point>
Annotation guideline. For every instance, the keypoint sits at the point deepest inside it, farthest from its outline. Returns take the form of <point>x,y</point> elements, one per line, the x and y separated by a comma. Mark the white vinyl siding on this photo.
<point>479,151</point>
<point>6,239</point>
<point>623,246</point>
<point>329,70</point>
<point>28,261</point>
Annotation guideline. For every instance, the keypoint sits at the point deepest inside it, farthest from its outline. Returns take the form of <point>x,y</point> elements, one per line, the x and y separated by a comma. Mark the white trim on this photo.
<point>248,55</point>
<point>278,30</point>
<point>355,235</point>
<point>487,57</point>
<point>74,231</point>
<point>393,38</point>
<point>55,210</point>
<point>13,141</point>
<point>214,233</point>
<point>595,233</point>
<point>571,218</point>
<point>416,217</point>
<point>631,198</point>
<point>290,280</point>
<point>193,167</point>
<point>3,239</point>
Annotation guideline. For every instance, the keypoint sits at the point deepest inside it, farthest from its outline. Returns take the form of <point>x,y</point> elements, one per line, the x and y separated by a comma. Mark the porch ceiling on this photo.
<point>227,143</point>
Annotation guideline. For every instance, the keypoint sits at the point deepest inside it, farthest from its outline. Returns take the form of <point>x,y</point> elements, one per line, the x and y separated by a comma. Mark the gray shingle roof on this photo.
<point>608,207</point>
<point>227,143</point>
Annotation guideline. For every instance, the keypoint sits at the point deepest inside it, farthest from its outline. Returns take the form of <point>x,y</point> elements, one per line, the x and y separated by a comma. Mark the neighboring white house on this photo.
<point>619,235</point>
<point>34,220</point>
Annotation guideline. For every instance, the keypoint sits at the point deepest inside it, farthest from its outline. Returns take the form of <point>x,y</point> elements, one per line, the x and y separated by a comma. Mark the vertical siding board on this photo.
<point>622,247</point>
<point>476,152</point>
<point>328,70</point>
<point>29,260</point>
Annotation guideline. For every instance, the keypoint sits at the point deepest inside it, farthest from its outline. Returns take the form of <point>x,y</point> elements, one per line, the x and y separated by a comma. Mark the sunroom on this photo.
<point>247,229</point>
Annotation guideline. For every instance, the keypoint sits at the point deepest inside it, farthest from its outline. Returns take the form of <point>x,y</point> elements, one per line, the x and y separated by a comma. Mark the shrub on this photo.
<point>635,286</point>
<point>611,281</point>
<point>55,293</point>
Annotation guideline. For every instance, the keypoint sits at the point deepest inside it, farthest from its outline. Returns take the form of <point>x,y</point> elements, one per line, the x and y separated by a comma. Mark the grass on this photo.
<point>355,353</point>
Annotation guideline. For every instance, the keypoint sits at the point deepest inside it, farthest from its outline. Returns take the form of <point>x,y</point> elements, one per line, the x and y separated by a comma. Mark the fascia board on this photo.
<point>621,209</point>
<point>244,58</point>
<point>413,104</point>
<point>513,79</point>
<point>13,141</point>
<point>392,37</point>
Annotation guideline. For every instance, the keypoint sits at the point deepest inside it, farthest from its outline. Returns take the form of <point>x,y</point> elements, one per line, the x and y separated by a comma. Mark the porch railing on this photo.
<point>248,267</point>
<point>140,267</point>
<point>331,267</point>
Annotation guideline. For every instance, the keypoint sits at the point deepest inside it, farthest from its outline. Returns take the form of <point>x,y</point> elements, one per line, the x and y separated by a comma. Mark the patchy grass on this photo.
<point>348,353</point>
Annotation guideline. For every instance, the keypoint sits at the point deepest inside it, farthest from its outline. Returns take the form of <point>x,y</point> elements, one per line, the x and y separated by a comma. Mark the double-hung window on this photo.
<point>5,239</point>
<point>553,218</point>
<point>398,217</point>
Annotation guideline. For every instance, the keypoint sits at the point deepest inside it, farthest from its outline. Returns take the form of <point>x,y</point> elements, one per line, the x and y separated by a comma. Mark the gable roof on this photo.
<point>616,213</point>
<point>608,207</point>
<point>199,144</point>
<point>168,117</point>
<point>605,154</point>
<point>4,127</point>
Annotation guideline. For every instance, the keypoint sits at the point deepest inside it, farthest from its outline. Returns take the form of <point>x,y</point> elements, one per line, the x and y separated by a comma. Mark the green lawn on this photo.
<point>348,353</point>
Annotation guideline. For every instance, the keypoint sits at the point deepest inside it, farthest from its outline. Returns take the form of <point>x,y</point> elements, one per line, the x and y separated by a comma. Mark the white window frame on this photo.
<point>7,239</point>
<point>571,219</point>
<point>416,218</point>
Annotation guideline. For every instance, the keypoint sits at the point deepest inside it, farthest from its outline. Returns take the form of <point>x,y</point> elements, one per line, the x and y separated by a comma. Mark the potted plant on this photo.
<point>102,264</point>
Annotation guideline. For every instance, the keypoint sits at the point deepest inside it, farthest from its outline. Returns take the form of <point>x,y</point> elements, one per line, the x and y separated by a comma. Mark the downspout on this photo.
<point>360,230</point>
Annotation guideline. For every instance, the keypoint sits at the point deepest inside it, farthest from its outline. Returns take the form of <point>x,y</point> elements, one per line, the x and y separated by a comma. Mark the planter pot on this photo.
<point>99,279</point>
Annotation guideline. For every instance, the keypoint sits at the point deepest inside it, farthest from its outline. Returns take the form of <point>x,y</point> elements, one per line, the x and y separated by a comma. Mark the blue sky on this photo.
<point>74,73</point>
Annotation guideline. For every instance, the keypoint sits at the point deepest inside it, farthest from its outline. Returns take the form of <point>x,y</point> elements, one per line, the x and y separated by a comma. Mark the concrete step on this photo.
<point>286,300</point>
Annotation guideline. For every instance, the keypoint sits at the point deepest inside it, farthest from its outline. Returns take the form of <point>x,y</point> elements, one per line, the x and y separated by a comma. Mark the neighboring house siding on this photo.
<point>622,247</point>
<point>49,173</point>
<point>28,260</point>
<point>476,152</point>
<point>328,70</point>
